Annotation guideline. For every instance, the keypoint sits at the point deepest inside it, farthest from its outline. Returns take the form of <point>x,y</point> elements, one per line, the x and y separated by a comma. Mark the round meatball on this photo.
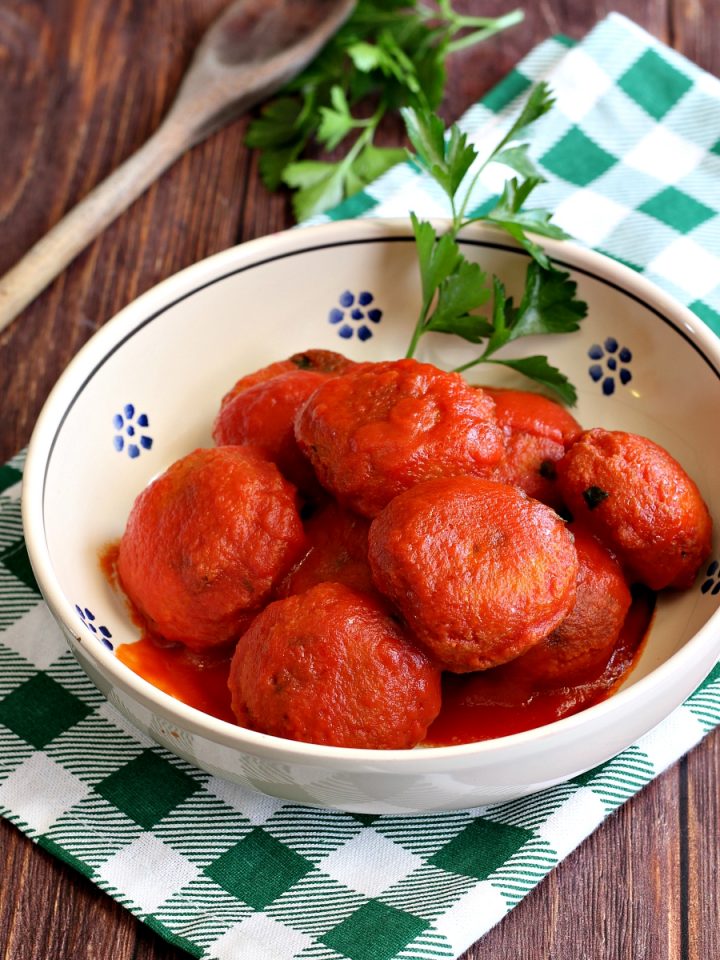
<point>522,411</point>
<point>338,546</point>
<point>206,542</point>
<point>263,416</point>
<point>317,361</point>
<point>537,432</point>
<point>640,502</point>
<point>479,571</point>
<point>383,427</point>
<point>578,650</point>
<point>330,666</point>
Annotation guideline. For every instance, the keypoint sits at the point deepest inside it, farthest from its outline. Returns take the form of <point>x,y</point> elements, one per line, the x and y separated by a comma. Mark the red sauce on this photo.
<point>477,706</point>
<point>495,703</point>
<point>197,679</point>
<point>200,680</point>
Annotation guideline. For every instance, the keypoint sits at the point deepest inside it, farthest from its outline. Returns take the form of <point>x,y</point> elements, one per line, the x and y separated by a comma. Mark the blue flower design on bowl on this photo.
<point>711,583</point>
<point>98,630</point>
<point>129,436</point>
<point>611,362</point>
<point>353,313</point>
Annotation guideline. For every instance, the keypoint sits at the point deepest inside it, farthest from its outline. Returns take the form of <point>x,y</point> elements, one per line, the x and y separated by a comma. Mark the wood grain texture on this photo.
<point>84,82</point>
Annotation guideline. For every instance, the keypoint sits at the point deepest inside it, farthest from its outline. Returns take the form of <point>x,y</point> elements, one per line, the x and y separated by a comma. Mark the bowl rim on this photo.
<point>215,268</point>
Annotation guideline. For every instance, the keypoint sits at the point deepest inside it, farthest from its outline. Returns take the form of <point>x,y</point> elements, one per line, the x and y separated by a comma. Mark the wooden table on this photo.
<point>84,82</point>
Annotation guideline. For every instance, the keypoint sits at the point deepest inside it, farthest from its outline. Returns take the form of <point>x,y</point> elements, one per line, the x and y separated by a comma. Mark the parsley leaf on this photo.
<point>510,217</point>
<point>281,133</point>
<point>446,160</point>
<point>548,304</point>
<point>517,158</point>
<point>318,185</point>
<point>460,292</point>
<point>389,54</point>
<point>438,257</point>
<point>373,161</point>
<point>454,287</point>
<point>336,121</point>
<point>541,371</point>
<point>537,104</point>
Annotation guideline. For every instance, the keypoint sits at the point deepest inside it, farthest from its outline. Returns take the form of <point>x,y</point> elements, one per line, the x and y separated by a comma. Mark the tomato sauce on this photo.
<point>496,703</point>
<point>478,706</point>
<point>198,679</point>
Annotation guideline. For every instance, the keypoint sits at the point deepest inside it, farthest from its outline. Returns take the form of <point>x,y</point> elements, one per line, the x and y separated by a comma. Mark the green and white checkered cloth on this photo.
<point>632,152</point>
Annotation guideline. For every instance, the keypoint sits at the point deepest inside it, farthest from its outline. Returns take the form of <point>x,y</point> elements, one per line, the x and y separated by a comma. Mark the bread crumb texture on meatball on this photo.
<point>206,542</point>
<point>383,427</point>
<point>479,571</point>
<point>331,666</point>
<point>640,502</point>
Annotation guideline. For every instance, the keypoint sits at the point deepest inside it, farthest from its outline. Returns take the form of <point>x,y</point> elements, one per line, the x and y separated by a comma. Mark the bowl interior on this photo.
<point>146,389</point>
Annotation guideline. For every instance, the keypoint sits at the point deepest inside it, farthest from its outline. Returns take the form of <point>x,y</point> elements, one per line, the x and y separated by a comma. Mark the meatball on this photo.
<point>206,542</point>
<point>537,432</point>
<point>640,502</point>
<point>522,411</point>
<point>479,571</point>
<point>317,361</point>
<point>383,427</point>
<point>338,546</point>
<point>578,650</point>
<point>263,415</point>
<point>331,666</point>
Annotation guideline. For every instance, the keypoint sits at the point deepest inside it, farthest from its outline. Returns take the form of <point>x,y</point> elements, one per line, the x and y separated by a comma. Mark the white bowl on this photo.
<point>164,362</point>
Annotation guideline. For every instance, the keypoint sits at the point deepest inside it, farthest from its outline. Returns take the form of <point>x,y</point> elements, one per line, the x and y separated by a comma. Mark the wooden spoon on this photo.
<point>250,51</point>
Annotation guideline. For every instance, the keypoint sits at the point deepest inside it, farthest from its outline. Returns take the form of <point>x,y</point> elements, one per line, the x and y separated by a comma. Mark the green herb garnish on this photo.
<point>390,54</point>
<point>453,287</point>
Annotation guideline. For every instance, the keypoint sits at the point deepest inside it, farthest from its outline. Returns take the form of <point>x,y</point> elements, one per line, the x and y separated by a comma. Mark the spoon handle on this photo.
<point>50,255</point>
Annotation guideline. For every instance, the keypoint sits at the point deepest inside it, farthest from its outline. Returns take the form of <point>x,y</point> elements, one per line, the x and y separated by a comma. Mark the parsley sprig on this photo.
<point>390,54</point>
<point>453,286</point>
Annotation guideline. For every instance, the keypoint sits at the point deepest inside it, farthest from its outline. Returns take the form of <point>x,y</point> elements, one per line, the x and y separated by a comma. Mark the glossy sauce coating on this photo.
<point>318,361</point>
<point>384,427</point>
<point>537,432</point>
<point>337,552</point>
<point>496,703</point>
<point>530,619</point>
<point>198,679</point>
<point>639,501</point>
<point>206,542</point>
<point>331,666</point>
<point>583,642</point>
<point>524,412</point>
<point>479,571</point>
<point>474,707</point>
<point>263,415</point>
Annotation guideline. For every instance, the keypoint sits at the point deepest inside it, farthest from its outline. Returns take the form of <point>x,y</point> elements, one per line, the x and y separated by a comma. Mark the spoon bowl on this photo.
<point>249,52</point>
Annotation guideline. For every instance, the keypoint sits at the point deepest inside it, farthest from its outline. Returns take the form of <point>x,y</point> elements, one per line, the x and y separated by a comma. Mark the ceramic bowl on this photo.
<point>144,392</point>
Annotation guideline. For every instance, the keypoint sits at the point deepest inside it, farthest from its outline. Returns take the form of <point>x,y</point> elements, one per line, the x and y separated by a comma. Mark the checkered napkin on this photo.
<point>633,158</point>
<point>631,151</point>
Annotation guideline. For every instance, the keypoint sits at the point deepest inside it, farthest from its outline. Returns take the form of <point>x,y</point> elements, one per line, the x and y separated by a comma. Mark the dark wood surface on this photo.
<point>83,83</point>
